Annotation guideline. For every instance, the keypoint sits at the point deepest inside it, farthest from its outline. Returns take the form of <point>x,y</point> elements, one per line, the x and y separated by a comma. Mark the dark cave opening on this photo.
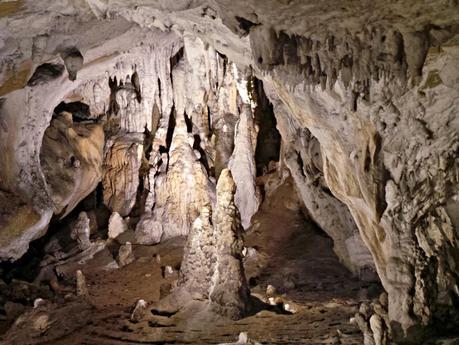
<point>269,138</point>
<point>80,111</point>
<point>170,128</point>
<point>188,122</point>
<point>28,267</point>
<point>46,73</point>
<point>245,24</point>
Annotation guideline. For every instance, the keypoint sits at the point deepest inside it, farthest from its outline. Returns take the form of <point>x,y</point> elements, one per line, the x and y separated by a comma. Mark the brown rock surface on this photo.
<point>123,157</point>
<point>71,159</point>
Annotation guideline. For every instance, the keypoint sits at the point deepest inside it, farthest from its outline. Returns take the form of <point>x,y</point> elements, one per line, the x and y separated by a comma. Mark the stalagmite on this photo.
<point>198,257</point>
<point>81,287</point>
<point>81,232</point>
<point>212,263</point>
<point>228,291</point>
<point>139,310</point>
<point>123,156</point>
<point>125,255</point>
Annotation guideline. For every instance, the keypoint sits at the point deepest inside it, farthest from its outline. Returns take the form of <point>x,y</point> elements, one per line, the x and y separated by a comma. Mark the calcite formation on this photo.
<point>121,167</point>
<point>228,291</point>
<point>365,97</point>
<point>212,262</point>
<point>199,256</point>
<point>71,161</point>
<point>116,225</point>
<point>80,231</point>
<point>125,255</point>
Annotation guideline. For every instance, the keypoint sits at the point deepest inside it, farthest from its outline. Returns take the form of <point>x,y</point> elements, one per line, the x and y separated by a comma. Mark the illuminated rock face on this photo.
<point>194,141</point>
<point>71,160</point>
<point>121,167</point>
<point>212,263</point>
<point>366,108</point>
<point>228,291</point>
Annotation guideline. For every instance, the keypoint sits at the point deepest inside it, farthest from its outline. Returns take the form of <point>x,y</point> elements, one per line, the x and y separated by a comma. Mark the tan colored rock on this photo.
<point>71,159</point>
<point>123,156</point>
<point>212,267</point>
<point>125,255</point>
<point>197,264</point>
<point>229,292</point>
<point>81,231</point>
<point>81,287</point>
<point>179,193</point>
<point>20,223</point>
<point>303,157</point>
<point>377,327</point>
<point>116,225</point>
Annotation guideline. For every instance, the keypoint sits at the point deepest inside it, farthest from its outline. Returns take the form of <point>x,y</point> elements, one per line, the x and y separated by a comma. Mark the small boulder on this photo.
<point>243,339</point>
<point>139,310</point>
<point>270,290</point>
<point>38,303</point>
<point>169,272</point>
<point>116,225</point>
<point>125,255</point>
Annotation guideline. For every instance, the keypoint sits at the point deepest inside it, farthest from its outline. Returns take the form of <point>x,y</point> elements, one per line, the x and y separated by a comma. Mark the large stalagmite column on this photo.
<point>229,291</point>
<point>212,263</point>
<point>198,258</point>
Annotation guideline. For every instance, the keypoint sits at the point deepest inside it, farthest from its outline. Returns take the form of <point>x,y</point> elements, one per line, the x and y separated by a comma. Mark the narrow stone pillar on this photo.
<point>229,292</point>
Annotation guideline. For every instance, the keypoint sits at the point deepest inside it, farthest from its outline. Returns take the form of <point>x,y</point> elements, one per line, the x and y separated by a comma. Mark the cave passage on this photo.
<point>229,172</point>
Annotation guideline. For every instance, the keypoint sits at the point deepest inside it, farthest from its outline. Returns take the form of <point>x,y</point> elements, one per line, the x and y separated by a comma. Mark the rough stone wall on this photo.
<point>302,155</point>
<point>360,168</point>
<point>71,160</point>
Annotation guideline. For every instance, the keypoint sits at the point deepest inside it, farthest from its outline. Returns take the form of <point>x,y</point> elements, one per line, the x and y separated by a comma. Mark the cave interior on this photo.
<point>229,172</point>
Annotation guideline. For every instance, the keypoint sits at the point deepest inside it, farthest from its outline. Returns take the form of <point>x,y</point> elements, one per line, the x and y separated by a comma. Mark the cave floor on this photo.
<point>291,254</point>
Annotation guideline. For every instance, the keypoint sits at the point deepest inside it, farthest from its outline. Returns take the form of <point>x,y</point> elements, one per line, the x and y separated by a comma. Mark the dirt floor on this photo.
<point>284,250</point>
